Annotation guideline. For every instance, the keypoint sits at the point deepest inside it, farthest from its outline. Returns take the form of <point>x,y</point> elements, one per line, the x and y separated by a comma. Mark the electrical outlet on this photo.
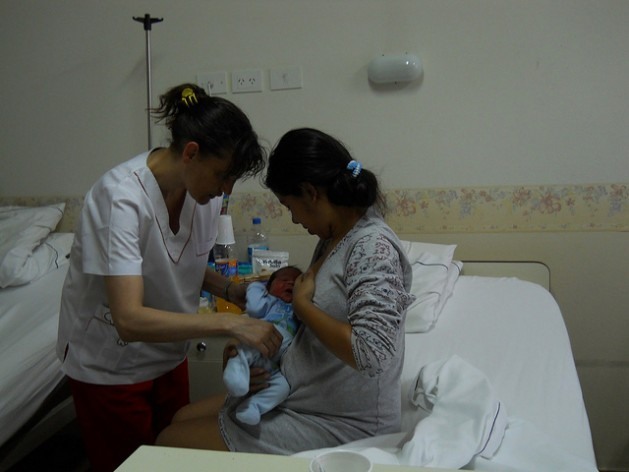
<point>247,80</point>
<point>214,83</point>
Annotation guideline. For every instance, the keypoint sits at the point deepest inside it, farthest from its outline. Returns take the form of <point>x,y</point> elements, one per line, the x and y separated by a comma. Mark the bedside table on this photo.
<point>205,365</point>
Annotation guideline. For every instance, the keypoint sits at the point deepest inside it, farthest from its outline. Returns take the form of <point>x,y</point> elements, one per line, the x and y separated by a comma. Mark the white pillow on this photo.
<point>22,229</point>
<point>52,253</point>
<point>434,275</point>
<point>454,270</point>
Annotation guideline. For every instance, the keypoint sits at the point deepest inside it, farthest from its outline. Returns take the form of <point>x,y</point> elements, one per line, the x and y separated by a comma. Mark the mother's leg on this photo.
<point>209,406</point>
<point>195,426</point>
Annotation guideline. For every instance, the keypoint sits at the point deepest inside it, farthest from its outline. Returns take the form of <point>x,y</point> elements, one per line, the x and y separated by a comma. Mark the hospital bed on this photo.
<point>489,380</point>
<point>34,397</point>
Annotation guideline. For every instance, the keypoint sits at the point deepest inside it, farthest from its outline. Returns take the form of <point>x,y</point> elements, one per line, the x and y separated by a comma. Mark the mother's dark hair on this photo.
<point>307,155</point>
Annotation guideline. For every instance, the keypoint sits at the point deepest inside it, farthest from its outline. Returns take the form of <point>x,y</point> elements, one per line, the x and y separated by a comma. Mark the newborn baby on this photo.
<point>270,302</point>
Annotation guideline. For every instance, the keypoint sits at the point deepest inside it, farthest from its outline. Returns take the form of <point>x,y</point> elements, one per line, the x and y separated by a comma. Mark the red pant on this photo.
<point>116,419</point>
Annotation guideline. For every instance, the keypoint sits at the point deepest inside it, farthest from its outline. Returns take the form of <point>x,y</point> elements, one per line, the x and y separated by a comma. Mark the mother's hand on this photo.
<point>304,286</point>
<point>258,376</point>
<point>303,290</point>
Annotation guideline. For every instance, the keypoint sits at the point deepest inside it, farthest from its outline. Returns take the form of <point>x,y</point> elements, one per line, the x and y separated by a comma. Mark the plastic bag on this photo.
<point>266,262</point>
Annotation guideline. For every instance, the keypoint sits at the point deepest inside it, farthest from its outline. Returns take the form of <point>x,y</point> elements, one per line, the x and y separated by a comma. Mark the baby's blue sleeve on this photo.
<point>259,301</point>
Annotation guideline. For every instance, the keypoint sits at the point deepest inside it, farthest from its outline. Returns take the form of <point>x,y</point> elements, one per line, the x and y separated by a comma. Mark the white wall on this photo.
<point>514,92</point>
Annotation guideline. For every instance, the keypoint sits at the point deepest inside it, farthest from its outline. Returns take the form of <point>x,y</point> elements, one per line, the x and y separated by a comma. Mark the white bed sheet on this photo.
<point>512,332</point>
<point>29,370</point>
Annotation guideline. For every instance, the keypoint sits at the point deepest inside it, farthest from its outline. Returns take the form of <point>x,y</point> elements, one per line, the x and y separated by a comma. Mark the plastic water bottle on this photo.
<point>256,239</point>
<point>226,259</point>
<point>204,305</point>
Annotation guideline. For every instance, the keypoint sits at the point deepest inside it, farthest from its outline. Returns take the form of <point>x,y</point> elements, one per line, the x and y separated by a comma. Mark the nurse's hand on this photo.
<point>259,334</point>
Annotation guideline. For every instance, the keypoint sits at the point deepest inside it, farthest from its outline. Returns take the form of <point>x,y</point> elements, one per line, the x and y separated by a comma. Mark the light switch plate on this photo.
<point>214,83</point>
<point>283,78</point>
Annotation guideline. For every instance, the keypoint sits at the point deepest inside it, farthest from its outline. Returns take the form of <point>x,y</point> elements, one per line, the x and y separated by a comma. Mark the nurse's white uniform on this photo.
<point>124,230</point>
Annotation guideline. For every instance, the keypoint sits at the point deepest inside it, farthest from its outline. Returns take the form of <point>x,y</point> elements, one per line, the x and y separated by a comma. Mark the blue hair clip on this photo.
<point>355,167</point>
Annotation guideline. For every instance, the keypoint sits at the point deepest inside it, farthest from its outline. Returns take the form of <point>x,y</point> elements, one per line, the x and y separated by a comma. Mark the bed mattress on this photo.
<point>29,370</point>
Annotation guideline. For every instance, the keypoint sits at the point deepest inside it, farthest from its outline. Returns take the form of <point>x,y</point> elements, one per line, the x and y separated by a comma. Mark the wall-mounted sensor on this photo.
<point>391,68</point>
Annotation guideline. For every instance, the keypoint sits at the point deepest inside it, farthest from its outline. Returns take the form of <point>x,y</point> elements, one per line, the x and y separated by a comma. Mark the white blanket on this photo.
<point>466,420</point>
<point>525,448</point>
<point>467,427</point>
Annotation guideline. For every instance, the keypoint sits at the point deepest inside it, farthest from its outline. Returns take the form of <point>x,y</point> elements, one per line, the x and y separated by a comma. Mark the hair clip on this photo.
<point>355,167</point>
<point>188,97</point>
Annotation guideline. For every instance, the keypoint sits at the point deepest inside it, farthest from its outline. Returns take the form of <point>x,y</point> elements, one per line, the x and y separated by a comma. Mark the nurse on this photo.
<point>137,266</point>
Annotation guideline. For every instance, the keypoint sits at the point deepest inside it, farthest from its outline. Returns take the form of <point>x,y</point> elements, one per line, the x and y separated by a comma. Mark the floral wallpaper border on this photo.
<point>599,207</point>
<point>596,207</point>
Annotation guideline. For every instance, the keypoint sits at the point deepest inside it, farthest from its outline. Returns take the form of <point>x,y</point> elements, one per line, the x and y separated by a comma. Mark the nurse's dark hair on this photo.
<point>218,126</point>
<point>307,155</point>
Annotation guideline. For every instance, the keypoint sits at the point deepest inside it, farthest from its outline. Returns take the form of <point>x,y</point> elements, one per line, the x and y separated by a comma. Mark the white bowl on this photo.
<point>340,461</point>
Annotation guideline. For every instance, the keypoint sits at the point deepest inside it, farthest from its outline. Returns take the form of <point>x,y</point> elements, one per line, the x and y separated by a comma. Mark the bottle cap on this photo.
<point>225,230</point>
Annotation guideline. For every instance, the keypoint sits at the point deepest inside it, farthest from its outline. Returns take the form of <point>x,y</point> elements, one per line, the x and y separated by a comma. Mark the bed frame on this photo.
<point>56,413</point>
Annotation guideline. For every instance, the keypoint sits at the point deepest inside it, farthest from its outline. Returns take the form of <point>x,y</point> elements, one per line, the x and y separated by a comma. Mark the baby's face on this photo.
<point>282,285</point>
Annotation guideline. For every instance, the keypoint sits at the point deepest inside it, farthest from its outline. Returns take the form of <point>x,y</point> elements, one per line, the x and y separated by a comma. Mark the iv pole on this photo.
<point>148,23</point>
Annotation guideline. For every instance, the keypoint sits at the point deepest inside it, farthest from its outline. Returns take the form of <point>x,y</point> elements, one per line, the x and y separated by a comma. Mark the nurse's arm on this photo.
<point>136,322</point>
<point>220,286</point>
